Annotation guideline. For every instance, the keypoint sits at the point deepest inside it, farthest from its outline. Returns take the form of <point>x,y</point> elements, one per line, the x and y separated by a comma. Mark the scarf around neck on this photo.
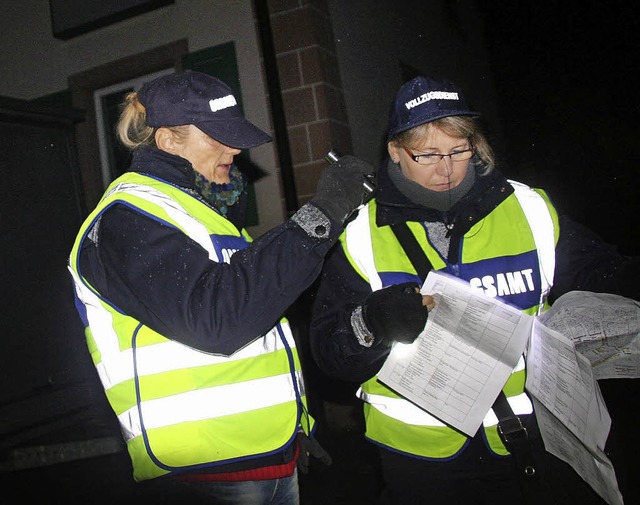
<point>438,200</point>
<point>221,196</point>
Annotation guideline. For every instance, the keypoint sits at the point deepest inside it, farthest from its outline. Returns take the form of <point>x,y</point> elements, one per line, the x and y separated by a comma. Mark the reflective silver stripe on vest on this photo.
<point>116,365</point>
<point>408,413</point>
<point>358,238</point>
<point>192,226</point>
<point>537,213</point>
<point>520,404</point>
<point>99,318</point>
<point>172,355</point>
<point>208,403</point>
<point>399,409</point>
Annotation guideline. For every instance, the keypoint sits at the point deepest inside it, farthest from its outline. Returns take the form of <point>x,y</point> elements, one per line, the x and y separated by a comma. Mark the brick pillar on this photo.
<point>312,93</point>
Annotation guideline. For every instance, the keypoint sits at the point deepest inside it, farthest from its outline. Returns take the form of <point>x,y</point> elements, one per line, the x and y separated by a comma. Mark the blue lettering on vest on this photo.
<point>227,245</point>
<point>513,279</point>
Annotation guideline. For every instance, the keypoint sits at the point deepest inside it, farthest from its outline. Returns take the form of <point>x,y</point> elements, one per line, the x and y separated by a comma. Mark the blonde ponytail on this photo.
<point>132,128</point>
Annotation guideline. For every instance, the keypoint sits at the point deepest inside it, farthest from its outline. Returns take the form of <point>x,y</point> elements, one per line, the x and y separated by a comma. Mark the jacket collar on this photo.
<point>166,166</point>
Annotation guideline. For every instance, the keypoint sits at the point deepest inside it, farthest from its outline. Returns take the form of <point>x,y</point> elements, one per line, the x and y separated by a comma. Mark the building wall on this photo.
<point>33,63</point>
<point>339,65</point>
<point>311,88</point>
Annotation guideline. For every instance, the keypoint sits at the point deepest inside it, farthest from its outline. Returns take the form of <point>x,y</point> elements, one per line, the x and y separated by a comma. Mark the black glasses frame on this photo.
<point>437,158</point>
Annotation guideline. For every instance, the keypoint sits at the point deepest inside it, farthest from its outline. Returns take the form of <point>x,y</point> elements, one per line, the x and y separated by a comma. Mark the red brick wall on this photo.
<point>312,93</point>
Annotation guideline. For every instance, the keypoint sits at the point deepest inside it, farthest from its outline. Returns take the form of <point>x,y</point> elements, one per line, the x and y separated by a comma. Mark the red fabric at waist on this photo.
<point>262,473</point>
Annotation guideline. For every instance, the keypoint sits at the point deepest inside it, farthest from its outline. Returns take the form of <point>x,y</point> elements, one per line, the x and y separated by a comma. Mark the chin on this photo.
<point>221,178</point>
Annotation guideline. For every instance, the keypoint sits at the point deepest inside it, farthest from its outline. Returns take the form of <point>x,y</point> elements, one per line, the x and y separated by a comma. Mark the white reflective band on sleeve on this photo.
<point>358,238</point>
<point>541,224</point>
<point>209,403</point>
<point>192,226</point>
<point>399,409</point>
<point>520,404</point>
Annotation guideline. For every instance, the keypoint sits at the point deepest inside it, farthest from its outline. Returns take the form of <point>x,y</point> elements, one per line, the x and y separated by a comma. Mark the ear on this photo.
<point>164,140</point>
<point>394,151</point>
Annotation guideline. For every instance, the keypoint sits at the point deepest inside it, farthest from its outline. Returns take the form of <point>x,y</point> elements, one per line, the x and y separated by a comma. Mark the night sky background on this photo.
<point>566,74</point>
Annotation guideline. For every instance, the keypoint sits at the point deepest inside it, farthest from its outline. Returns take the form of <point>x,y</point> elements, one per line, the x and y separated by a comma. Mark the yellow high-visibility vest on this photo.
<point>180,408</point>
<point>510,253</point>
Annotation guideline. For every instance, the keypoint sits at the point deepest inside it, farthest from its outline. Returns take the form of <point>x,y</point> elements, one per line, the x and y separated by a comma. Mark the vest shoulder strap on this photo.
<point>412,248</point>
<point>542,229</point>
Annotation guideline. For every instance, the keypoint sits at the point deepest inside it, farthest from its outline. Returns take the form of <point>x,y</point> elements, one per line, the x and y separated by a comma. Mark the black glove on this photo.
<point>309,446</point>
<point>340,190</point>
<point>395,313</point>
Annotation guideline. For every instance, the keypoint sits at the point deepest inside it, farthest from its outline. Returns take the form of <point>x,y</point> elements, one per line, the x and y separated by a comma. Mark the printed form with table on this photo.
<point>472,342</point>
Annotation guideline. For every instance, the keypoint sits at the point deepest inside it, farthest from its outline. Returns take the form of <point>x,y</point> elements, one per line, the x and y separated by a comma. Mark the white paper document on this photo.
<point>562,380</point>
<point>572,415</point>
<point>471,344</point>
<point>593,466</point>
<point>604,328</point>
<point>464,356</point>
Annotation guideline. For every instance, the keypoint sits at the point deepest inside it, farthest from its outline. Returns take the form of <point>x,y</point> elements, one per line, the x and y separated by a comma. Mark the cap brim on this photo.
<point>430,119</point>
<point>235,132</point>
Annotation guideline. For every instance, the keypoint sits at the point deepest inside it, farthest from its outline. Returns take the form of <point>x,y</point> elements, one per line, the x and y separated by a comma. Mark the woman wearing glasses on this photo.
<point>439,184</point>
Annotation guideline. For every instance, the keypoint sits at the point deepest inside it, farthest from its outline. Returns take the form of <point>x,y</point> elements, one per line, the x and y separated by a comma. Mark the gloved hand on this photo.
<point>340,190</point>
<point>309,446</point>
<point>395,313</point>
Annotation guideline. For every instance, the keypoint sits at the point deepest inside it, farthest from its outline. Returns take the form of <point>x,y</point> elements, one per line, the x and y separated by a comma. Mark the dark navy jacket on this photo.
<point>164,279</point>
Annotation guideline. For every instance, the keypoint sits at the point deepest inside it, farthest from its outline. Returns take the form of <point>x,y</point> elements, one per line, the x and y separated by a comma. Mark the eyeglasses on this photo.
<point>432,159</point>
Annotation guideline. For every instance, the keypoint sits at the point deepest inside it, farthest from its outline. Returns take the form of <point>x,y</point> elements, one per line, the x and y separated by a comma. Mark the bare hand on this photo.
<point>429,302</point>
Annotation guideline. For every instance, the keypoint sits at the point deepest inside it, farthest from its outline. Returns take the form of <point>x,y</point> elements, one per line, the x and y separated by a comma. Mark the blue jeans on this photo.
<point>254,492</point>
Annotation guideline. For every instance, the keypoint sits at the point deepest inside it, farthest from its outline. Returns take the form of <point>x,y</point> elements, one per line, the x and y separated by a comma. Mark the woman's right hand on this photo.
<point>429,302</point>
<point>341,190</point>
<point>396,313</point>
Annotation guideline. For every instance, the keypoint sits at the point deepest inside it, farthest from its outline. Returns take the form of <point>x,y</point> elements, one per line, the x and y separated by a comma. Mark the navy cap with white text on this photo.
<point>425,99</point>
<point>190,97</point>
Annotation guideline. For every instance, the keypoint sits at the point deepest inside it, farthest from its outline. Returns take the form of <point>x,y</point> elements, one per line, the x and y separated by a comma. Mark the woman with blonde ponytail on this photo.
<point>184,311</point>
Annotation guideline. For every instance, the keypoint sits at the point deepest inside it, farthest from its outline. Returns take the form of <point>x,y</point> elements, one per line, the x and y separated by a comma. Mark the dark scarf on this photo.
<point>438,200</point>
<point>221,196</point>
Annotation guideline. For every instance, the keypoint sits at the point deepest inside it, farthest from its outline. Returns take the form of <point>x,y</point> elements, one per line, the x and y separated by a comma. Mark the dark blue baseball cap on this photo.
<point>199,99</point>
<point>425,99</point>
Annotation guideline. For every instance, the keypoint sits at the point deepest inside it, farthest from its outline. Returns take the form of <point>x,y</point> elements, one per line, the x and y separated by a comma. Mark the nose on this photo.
<point>444,167</point>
